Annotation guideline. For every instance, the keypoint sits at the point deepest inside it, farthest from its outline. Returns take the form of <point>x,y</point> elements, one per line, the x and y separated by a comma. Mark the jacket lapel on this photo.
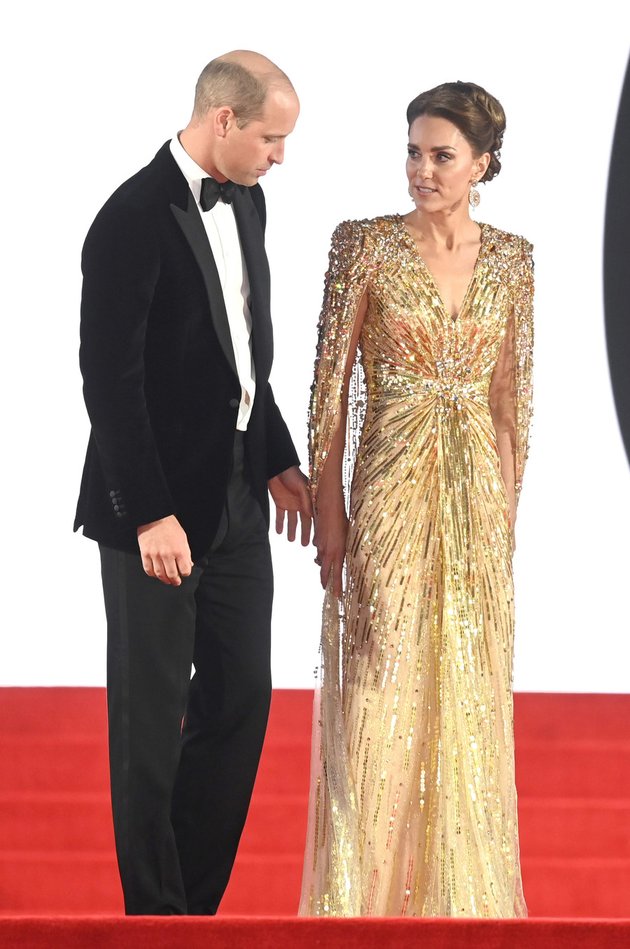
<point>253,246</point>
<point>186,213</point>
<point>192,226</point>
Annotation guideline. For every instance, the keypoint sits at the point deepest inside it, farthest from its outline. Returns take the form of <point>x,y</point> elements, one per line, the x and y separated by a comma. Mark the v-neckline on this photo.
<point>413,243</point>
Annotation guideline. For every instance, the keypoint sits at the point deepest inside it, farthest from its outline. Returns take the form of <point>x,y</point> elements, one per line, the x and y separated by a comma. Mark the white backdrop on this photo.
<point>92,90</point>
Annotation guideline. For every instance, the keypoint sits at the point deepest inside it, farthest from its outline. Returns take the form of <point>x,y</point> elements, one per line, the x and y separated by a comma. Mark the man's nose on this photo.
<point>277,153</point>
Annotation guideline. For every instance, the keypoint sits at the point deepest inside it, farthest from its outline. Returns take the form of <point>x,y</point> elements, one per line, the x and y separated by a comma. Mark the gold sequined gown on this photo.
<point>413,803</point>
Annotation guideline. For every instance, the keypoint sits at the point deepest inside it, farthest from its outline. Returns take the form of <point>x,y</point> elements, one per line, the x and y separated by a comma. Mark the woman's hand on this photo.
<point>331,531</point>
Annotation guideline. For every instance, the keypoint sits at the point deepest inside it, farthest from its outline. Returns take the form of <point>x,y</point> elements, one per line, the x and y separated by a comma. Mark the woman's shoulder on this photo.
<point>368,233</point>
<point>382,222</point>
<point>507,244</point>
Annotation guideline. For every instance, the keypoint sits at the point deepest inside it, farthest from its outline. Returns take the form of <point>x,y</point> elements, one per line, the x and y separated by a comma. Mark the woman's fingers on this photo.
<point>331,564</point>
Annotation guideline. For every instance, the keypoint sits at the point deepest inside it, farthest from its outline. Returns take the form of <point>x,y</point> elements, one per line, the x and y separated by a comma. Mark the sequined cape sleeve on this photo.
<point>510,394</point>
<point>523,309</point>
<point>332,885</point>
<point>345,282</point>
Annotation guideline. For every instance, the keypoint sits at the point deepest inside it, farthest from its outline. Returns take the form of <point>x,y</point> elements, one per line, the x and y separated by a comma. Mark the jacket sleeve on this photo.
<point>281,453</point>
<point>121,267</point>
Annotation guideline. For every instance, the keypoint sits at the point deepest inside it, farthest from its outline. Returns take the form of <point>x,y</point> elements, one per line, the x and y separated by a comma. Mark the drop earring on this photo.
<point>473,195</point>
<point>413,200</point>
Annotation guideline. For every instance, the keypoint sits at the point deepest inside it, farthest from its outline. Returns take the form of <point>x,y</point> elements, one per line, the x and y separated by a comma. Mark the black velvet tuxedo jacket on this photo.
<point>159,372</point>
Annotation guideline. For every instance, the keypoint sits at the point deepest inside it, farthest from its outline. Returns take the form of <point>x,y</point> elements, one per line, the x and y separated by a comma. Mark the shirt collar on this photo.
<point>192,172</point>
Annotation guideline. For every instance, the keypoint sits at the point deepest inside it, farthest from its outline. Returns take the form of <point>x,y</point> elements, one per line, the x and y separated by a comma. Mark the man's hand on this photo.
<point>164,550</point>
<point>291,496</point>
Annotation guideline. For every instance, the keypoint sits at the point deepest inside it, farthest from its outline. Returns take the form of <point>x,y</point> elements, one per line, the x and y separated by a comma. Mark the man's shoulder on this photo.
<point>133,211</point>
<point>142,190</point>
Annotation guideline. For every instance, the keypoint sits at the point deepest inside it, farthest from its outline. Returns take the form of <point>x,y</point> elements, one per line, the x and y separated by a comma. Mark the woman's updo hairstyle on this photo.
<point>478,116</point>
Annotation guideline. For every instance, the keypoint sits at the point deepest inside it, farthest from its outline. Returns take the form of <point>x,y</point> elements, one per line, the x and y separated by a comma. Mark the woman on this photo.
<point>413,804</point>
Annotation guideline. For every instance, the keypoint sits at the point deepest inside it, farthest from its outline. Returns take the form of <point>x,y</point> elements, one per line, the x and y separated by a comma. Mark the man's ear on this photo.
<point>224,120</point>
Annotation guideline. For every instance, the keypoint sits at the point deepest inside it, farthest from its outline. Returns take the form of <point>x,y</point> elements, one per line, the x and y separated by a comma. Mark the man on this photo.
<point>176,350</point>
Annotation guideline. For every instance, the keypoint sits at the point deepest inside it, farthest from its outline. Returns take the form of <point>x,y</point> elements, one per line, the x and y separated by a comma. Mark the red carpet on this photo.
<point>237,933</point>
<point>56,847</point>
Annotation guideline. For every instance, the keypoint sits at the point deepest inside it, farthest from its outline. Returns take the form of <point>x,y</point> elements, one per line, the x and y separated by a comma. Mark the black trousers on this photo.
<point>184,752</point>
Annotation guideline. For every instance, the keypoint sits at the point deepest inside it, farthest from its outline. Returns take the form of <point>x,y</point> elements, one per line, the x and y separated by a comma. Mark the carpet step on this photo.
<point>552,827</point>
<point>75,823</point>
<point>194,932</point>
<point>559,716</point>
<point>538,715</point>
<point>58,710</point>
<point>76,764</point>
<point>79,764</point>
<point>553,887</point>
<point>72,711</point>
<point>60,884</point>
<point>574,828</point>
<point>577,888</point>
<point>63,884</point>
<point>49,822</point>
<point>575,769</point>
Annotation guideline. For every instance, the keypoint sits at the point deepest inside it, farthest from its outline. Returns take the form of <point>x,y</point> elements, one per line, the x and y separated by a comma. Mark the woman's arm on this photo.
<point>510,394</point>
<point>503,410</point>
<point>331,521</point>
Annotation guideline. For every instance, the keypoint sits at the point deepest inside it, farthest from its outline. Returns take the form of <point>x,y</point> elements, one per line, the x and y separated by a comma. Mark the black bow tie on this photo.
<point>212,190</point>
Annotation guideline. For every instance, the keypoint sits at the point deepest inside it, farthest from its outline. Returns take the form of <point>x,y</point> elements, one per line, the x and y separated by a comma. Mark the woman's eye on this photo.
<point>444,156</point>
<point>413,155</point>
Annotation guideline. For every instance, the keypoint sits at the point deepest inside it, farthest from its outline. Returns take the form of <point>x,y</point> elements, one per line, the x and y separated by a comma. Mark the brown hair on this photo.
<point>477,114</point>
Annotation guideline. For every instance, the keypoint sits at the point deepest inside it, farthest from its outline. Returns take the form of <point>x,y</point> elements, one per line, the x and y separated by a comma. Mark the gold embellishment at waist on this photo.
<point>451,390</point>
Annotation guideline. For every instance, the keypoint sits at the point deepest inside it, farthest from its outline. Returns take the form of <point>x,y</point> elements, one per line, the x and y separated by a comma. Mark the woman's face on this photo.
<point>441,165</point>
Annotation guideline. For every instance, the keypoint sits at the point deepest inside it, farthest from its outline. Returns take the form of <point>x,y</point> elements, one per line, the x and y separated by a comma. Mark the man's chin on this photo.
<point>246,181</point>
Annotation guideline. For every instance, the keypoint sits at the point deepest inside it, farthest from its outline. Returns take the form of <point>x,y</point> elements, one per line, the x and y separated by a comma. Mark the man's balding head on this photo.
<point>241,80</point>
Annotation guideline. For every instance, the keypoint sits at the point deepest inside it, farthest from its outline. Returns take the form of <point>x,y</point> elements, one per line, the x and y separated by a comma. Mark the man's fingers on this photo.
<point>165,550</point>
<point>279,519</point>
<point>169,570</point>
<point>307,502</point>
<point>166,571</point>
<point>305,529</point>
<point>291,524</point>
<point>184,566</point>
<point>176,567</point>
<point>158,570</point>
<point>147,564</point>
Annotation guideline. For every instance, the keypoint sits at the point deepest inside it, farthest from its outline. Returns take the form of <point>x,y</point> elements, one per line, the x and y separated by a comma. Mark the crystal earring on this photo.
<point>473,195</point>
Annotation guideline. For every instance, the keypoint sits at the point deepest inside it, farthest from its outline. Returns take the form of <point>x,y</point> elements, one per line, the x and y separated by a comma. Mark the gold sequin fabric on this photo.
<point>413,803</point>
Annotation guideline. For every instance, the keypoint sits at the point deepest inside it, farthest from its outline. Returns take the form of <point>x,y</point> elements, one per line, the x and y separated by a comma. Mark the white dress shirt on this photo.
<point>222,232</point>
